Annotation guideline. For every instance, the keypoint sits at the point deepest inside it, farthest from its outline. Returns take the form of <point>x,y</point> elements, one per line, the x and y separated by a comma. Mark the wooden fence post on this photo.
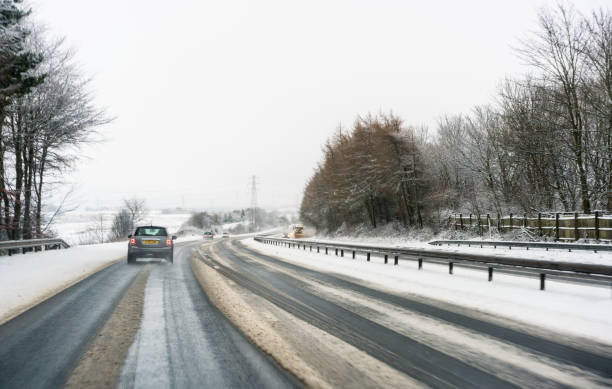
<point>557,226</point>
<point>524,220</point>
<point>576,233</point>
<point>511,223</point>
<point>470,221</point>
<point>479,229</point>
<point>540,223</point>
<point>498,224</point>
<point>488,222</point>
<point>596,225</point>
<point>461,220</point>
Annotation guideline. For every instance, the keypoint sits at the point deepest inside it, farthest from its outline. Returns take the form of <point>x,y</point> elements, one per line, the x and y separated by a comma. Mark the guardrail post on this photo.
<point>596,225</point>
<point>336,252</point>
<point>450,268</point>
<point>311,248</point>
<point>326,251</point>
<point>557,226</point>
<point>368,257</point>
<point>490,274</point>
<point>305,247</point>
<point>386,259</point>
<point>420,263</point>
<point>353,254</point>
<point>342,252</point>
<point>542,280</point>
<point>396,261</point>
<point>318,249</point>
<point>576,233</point>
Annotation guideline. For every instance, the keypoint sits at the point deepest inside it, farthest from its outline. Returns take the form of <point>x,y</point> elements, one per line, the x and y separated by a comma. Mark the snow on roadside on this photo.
<point>28,279</point>
<point>576,309</point>
<point>579,256</point>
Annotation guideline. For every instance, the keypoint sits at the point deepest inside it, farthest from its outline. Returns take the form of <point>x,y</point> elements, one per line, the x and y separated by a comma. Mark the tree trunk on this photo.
<point>4,200</point>
<point>39,191</point>
<point>29,175</point>
<point>610,161</point>
<point>18,143</point>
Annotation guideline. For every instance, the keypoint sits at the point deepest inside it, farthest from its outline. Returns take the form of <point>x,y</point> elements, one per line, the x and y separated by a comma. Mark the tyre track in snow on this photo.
<point>186,342</point>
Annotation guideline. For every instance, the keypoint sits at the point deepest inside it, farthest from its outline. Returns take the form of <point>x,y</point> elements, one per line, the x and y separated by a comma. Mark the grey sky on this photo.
<point>207,93</point>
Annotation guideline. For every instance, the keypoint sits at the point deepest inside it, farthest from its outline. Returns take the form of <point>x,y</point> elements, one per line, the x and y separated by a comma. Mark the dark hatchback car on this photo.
<point>151,242</point>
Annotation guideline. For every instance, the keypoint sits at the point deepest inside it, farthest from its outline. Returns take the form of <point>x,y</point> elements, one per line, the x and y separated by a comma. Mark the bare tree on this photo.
<point>557,51</point>
<point>599,54</point>
<point>136,208</point>
<point>122,226</point>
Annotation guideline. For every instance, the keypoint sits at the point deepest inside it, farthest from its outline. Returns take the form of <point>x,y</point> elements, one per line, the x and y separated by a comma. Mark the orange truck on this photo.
<point>296,231</point>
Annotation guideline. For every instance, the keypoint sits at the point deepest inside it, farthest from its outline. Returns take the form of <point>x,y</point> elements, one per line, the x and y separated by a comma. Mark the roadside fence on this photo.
<point>560,226</point>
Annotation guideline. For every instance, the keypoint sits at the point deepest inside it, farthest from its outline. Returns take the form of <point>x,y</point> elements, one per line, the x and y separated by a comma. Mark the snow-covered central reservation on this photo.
<point>569,308</point>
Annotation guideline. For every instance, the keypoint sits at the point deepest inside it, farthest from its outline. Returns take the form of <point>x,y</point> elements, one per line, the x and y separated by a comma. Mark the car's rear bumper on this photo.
<point>153,252</point>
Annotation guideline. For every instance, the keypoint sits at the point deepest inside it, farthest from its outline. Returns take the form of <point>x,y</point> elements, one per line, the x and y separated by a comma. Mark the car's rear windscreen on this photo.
<point>151,231</point>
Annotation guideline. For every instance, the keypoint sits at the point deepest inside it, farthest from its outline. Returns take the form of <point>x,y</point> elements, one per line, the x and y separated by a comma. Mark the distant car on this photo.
<point>285,235</point>
<point>209,235</point>
<point>151,241</point>
<point>225,235</point>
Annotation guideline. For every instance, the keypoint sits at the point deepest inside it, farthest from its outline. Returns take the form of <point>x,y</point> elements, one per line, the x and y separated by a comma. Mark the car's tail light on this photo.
<point>168,242</point>
<point>132,241</point>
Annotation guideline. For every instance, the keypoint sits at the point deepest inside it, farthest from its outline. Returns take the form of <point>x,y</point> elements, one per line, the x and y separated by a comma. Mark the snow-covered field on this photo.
<point>28,279</point>
<point>577,309</point>
<point>75,227</point>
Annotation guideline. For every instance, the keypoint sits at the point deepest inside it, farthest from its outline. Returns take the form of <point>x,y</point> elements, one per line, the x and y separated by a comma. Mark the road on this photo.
<point>297,290</point>
<point>183,341</point>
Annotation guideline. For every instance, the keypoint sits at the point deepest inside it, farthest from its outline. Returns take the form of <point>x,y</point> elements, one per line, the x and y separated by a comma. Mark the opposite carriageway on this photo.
<point>583,273</point>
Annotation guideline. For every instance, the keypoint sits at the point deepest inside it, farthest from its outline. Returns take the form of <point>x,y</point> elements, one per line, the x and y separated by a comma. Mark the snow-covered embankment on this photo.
<point>28,279</point>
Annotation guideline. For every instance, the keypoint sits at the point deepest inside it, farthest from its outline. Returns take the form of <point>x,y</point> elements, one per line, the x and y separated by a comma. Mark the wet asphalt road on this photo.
<point>39,348</point>
<point>183,342</point>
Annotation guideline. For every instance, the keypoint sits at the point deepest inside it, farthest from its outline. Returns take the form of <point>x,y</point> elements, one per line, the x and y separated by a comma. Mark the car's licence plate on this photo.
<point>150,241</point>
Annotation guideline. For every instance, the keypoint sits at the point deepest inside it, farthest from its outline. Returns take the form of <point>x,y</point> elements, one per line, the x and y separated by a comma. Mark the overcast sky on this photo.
<point>208,93</point>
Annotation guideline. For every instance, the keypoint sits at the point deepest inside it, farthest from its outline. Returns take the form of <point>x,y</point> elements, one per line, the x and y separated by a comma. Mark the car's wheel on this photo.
<point>131,259</point>
<point>171,258</point>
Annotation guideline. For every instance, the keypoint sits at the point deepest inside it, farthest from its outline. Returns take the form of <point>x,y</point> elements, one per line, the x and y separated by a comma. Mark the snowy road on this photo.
<point>439,345</point>
<point>184,342</point>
